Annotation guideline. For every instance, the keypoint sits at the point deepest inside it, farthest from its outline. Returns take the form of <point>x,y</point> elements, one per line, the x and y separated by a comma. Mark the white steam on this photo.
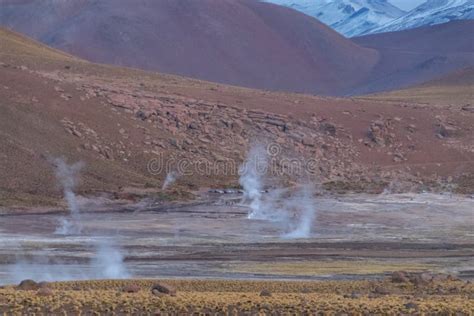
<point>292,211</point>
<point>303,203</point>
<point>171,178</point>
<point>67,176</point>
<point>251,173</point>
<point>109,262</point>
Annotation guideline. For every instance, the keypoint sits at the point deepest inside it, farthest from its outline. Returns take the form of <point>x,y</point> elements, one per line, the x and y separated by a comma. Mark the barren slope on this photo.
<point>241,42</point>
<point>418,55</point>
<point>455,89</point>
<point>117,120</point>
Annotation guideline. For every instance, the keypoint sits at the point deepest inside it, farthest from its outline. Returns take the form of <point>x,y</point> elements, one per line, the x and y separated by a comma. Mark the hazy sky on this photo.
<point>407,4</point>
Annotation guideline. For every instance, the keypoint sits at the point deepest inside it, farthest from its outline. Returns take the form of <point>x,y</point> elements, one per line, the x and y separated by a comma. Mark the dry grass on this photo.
<point>328,267</point>
<point>454,89</point>
<point>18,45</point>
<point>240,298</point>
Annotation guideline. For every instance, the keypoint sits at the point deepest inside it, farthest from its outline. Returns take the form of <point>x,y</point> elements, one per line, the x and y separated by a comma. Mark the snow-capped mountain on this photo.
<point>361,17</point>
<point>348,17</point>
<point>430,13</point>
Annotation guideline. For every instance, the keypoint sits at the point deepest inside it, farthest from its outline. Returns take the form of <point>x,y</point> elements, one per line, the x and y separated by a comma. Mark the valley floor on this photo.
<point>353,237</point>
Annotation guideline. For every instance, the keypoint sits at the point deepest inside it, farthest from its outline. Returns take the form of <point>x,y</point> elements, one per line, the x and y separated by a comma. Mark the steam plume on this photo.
<point>304,203</point>
<point>67,175</point>
<point>109,261</point>
<point>171,177</point>
<point>251,179</point>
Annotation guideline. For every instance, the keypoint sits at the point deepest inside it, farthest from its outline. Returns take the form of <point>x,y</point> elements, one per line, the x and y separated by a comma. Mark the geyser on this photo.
<point>67,176</point>
<point>171,178</point>
<point>108,261</point>
<point>278,205</point>
<point>251,173</point>
<point>303,202</point>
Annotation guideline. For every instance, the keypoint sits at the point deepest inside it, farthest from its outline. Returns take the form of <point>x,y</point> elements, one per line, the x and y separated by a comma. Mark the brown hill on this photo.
<point>240,42</point>
<point>418,55</point>
<point>118,120</point>
<point>454,89</point>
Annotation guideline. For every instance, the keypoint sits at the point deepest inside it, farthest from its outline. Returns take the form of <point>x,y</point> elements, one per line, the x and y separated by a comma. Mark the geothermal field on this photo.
<point>236,157</point>
<point>349,237</point>
<point>279,239</point>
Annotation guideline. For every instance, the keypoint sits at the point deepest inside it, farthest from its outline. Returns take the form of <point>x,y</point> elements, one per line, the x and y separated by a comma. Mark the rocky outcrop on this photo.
<point>379,132</point>
<point>28,285</point>
<point>446,130</point>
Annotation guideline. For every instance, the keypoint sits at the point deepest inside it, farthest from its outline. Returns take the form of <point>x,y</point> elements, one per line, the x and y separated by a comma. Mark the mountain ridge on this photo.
<point>360,17</point>
<point>348,17</point>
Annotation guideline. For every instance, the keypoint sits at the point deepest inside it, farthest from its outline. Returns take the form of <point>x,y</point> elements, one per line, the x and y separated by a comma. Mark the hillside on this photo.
<point>117,120</point>
<point>418,55</point>
<point>455,89</point>
<point>240,42</point>
<point>243,42</point>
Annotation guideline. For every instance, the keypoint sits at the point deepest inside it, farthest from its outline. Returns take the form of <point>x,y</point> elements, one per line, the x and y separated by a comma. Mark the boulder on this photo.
<point>328,128</point>
<point>399,277</point>
<point>378,133</point>
<point>308,141</point>
<point>420,279</point>
<point>265,293</point>
<point>411,305</point>
<point>193,125</point>
<point>381,290</point>
<point>446,130</point>
<point>160,289</point>
<point>143,114</point>
<point>468,108</point>
<point>28,285</point>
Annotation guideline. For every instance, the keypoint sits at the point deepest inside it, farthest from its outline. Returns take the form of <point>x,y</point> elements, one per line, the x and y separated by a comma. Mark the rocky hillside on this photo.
<point>124,124</point>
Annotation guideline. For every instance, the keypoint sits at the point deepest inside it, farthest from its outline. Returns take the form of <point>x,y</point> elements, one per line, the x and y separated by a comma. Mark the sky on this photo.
<point>407,4</point>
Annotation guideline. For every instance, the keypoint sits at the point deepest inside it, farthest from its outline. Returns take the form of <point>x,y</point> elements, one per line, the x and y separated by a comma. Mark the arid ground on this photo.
<point>123,127</point>
<point>347,264</point>
<point>353,236</point>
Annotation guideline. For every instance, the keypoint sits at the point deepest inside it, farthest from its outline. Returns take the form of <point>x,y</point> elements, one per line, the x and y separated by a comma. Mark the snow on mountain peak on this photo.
<point>360,17</point>
<point>349,17</point>
<point>430,13</point>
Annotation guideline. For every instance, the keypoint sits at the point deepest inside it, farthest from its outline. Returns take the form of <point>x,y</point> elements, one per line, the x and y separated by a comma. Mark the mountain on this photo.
<point>413,56</point>
<point>431,12</point>
<point>239,42</point>
<point>361,17</point>
<point>348,17</point>
<point>242,42</point>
